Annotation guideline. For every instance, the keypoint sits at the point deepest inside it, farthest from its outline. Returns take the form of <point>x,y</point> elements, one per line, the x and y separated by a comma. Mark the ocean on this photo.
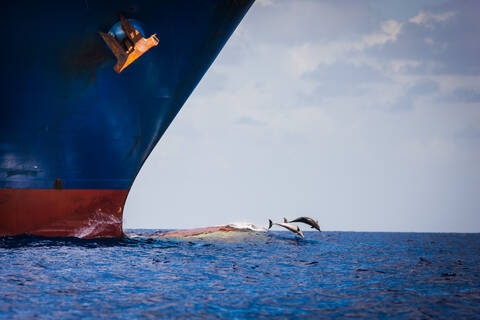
<point>260,275</point>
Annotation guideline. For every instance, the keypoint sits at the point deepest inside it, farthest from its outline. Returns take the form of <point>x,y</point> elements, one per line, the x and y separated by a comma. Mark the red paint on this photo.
<point>62,213</point>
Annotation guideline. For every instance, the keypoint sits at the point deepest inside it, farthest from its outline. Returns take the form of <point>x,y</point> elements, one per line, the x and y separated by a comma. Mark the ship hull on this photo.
<point>74,133</point>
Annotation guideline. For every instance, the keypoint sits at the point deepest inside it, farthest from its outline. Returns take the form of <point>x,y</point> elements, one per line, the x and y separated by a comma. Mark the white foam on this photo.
<point>246,225</point>
<point>94,226</point>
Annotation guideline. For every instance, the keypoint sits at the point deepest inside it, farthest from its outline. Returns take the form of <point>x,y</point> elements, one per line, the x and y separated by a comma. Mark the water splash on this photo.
<point>246,226</point>
<point>99,224</point>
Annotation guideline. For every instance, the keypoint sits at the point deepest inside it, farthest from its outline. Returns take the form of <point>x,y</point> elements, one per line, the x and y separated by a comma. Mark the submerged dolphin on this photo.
<point>312,223</point>
<point>291,227</point>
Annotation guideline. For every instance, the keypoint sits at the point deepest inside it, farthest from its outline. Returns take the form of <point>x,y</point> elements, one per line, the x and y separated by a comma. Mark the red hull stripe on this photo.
<point>62,213</point>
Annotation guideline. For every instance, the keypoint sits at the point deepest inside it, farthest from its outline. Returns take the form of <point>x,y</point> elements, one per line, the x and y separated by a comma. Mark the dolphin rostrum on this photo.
<point>312,223</point>
<point>291,227</point>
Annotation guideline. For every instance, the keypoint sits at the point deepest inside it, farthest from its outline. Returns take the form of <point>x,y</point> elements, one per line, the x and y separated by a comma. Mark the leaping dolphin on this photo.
<point>312,223</point>
<point>291,227</point>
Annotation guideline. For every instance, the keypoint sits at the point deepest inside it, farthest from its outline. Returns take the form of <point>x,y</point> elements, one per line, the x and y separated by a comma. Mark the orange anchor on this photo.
<point>131,47</point>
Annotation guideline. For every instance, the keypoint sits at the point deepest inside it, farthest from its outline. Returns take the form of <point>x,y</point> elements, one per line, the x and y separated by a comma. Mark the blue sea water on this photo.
<point>262,275</point>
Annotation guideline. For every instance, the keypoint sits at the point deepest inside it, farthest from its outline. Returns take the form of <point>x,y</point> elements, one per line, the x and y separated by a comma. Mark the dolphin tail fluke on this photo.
<point>270,223</point>
<point>285,220</point>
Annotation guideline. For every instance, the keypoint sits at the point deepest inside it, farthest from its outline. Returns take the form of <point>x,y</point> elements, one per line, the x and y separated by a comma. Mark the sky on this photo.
<point>362,114</point>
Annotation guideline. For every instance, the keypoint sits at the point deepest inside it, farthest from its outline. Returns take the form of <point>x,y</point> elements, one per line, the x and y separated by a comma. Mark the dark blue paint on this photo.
<point>328,275</point>
<point>66,114</point>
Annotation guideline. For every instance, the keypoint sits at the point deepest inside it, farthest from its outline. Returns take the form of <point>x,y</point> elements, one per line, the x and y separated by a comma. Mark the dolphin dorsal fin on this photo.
<point>285,220</point>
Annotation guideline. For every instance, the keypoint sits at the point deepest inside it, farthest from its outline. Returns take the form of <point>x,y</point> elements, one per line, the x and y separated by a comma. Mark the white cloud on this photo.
<point>402,64</point>
<point>306,58</point>
<point>265,3</point>
<point>428,19</point>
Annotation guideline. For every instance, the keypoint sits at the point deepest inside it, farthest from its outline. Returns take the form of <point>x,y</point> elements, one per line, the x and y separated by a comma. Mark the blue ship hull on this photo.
<point>70,124</point>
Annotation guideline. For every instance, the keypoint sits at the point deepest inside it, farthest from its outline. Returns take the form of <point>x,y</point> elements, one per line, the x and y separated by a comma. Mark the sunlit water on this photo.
<point>262,275</point>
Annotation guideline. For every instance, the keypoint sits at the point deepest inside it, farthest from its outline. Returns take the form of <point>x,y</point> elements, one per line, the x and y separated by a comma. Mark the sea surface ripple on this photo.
<point>265,275</point>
